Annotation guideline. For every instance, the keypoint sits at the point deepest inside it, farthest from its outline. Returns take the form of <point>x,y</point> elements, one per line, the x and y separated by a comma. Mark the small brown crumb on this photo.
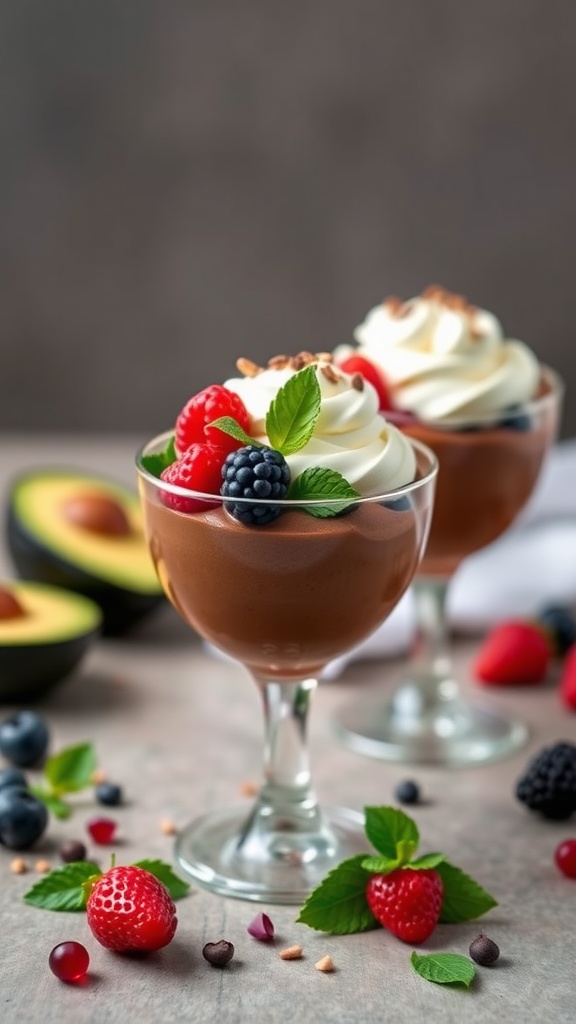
<point>42,867</point>
<point>291,953</point>
<point>357,382</point>
<point>248,367</point>
<point>248,788</point>
<point>98,776</point>
<point>328,371</point>
<point>168,827</point>
<point>278,362</point>
<point>18,866</point>
<point>302,359</point>
<point>325,964</point>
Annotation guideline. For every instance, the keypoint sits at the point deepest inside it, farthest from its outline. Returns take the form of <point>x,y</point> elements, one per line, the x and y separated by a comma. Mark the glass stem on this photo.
<point>432,649</point>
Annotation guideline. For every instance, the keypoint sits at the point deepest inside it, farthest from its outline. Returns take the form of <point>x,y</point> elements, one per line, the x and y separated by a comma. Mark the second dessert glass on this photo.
<point>487,473</point>
<point>284,599</point>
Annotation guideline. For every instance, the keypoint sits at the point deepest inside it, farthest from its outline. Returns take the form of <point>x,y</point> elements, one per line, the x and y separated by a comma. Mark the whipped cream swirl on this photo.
<point>350,436</point>
<point>445,359</point>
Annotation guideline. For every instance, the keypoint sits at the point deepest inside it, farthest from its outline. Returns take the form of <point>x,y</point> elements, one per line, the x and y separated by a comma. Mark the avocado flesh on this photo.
<point>41,647</point>
<point>115,571</point>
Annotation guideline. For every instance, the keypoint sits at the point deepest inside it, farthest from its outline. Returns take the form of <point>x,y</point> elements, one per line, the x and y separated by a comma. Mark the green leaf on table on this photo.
<point>293,412</point>
<point>338,905</point>
<point>391,832</point>
<point>58,807</point>
<point>71,769</point>
<point>63,888</point>
<point>444,968</point>
<point>164,873</point>
<point>318,483</point>
<point>464,899</point>
<point>230,426</point>
<point>156,462</point>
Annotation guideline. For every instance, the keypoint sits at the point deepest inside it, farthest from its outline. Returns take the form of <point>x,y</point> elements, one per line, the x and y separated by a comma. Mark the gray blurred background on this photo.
<point>185,181</point>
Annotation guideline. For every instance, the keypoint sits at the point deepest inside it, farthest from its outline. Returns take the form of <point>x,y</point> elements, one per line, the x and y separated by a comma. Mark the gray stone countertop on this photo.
<point>181,731</point>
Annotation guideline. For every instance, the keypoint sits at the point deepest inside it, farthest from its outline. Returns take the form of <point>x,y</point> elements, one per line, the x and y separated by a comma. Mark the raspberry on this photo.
<point>549,784</point>
<point>513,653</point>
<point>567,684</point>
<point>254,472</point>
<point>407,902</point>
<point>129,909</point>
<point>363,366</point>
<point>102,830</point>
<point>208,405</point>
<point>199,469</point>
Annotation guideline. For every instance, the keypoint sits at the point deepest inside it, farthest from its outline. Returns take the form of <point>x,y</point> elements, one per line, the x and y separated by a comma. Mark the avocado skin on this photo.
<point>121,609</point>
<point>28,672</point>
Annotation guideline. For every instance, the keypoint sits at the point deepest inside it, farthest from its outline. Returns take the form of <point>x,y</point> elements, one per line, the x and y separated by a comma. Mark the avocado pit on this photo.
<point>10,607</point>
<point>98,514</point>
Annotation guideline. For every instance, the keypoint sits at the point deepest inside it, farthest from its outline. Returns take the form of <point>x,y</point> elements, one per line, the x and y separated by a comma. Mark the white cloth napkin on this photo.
<point>533,564</point>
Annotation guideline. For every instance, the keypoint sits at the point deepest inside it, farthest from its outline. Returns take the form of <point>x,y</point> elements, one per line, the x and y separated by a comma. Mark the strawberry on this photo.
<point>208,405</point>
<point>199,469</point>
<point>407,902</point>
<point>567,688</point>
<point>363,366</point>
<point>513,653</point>
<point>129,909</point>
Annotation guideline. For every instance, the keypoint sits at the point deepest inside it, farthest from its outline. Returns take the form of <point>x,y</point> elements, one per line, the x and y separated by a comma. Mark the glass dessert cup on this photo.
<point>284,599</point>
<point>487,472</point>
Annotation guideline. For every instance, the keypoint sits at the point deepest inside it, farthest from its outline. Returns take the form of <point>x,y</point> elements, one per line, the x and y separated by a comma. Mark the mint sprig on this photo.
<point>69,887</point>
<point>156,462</point>
<point>66,772</point>
<point>292,415</point>
<point>318,483</point>
<point>444,968</point>
<point>338,904</point>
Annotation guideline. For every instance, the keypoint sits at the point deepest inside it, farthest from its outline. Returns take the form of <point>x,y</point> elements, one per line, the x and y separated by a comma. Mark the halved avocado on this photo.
<point>44,633</point>
<point>85,533</point>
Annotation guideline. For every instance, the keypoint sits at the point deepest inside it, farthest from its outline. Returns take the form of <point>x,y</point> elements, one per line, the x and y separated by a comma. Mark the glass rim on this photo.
<point>221,499</point>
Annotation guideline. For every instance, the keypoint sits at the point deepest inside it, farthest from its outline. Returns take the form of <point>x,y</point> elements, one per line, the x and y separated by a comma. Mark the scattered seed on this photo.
<point>218,953</point>
<point>248,788</point>
<point>291,953</point>
<point>98,776</point>
<point>42,867</point>
<point>72,850</point>
<point>168,827</point>
<point>484,950</point>
<point>325,964</point>
<point>18,866</point>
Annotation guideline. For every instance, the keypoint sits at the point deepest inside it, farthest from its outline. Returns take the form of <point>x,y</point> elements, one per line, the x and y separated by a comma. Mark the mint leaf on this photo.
<point>444,968</point>
<point>293,412</point>
<point>316,483</point>
<point>164,873</point>
<point>71,769</point>
<point>156,462</point>
<point>384,865</point>
<point>463,898</point>
<point>58,807</point>
<point>63,888</point>
<point>427,860</point>
<point>380,865</point>
<point>390,830</point>
<point>338,905</point>
<point>230,426</point>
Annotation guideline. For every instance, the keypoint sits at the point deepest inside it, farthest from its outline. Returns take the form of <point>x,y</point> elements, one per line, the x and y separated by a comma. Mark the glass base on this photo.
<point>410,730</point>
<point>219,853</point>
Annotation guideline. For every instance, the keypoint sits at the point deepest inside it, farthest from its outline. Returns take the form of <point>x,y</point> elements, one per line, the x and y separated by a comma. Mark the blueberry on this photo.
<point>23,818</point>
<point>516,420</point>
<point>12,777</point>
<point>109,793</point>
<point>399,504</point>
<point>407,792</point>
<point>561,623</point>
<point>23,738</point>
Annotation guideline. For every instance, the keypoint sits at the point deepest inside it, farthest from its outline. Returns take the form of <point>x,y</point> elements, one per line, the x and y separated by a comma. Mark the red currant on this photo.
<point>565,857</point>
<point>199,469</point>
<point>69,961</point>
<point>102,830</point>
<point>358,364</point>
<point>208,405</point>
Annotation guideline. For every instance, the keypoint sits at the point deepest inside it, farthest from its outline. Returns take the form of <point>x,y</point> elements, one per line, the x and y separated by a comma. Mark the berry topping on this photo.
<point>407,792</point>
<point>484,950</point>
<point>69,961</point>
<point>109,793</point>
<point>560,623</point>
<point>102,830</point>
<point>565,857</point>
<point>72,850</point>
<point>549,784</point>
<point>23,817</point>
<point>129,909</point>
<point>513,653</point>
<point>199,469</point>
<point>253,472</point>
<point>208,405</point>
<point>23,738</point>
<point>218,953</point>
<point>567,685</point>
<point>358,364</point>
<point>407,902</point>
<point>12,777</point>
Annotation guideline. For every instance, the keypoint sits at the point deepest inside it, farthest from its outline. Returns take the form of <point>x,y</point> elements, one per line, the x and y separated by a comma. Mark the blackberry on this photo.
<point>561,623</point>
<point>253,472</point>
<point>549,784</point>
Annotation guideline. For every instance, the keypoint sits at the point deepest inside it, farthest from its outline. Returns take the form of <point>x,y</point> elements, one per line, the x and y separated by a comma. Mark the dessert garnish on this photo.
<point>23,818</point>
<point>108,793</point>
<point>484,950</point>
<point>325,964</point>
<point>514,652</point>
<point>261,928</point>
<point>68,888</point>
<point>69,961</point>
<point>347,901</point>
<point>67,772</point>
<point>407,792</point>
<point>548,785</point>
<point>565,857</point>
<point>567,684</point>
<point>560,623</point>
<point>72,849</point>
<point>129,909</point>
<point>23,738</point>
<point>102,830</point>
<point>291,953</point>
<point>218,953</point>
<point>444,968</point>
